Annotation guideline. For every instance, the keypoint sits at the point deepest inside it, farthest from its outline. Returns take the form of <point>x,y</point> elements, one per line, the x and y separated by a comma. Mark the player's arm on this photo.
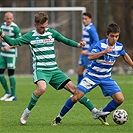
<point>94,36</point>
<point>67,41</point>
<point>25,39</point>
<point>94,56</point>
<point>8,47</point>
<point>128,59</point>
<point>7,39</point>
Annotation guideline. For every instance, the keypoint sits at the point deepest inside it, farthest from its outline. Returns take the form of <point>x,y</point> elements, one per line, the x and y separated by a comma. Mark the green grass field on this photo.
<point>78,120</point>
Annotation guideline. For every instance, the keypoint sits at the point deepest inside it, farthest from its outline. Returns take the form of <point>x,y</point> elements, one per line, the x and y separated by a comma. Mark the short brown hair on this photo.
<point>87,14</point>
<point>113,28</point>
<point>41,17</point>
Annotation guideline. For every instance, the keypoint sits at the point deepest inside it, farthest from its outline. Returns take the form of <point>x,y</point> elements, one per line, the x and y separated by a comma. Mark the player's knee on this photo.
<point>42,90</point>
<point>75,98</point>
<point>120,100</point>
<point>39,91</point>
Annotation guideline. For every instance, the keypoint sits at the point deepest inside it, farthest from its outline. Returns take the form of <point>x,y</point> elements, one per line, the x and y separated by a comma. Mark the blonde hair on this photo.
<point>41,17</point>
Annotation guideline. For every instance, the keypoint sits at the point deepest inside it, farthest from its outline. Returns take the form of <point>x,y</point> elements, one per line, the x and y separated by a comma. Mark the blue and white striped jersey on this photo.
<point>102,66</point>
<point>90,36</point>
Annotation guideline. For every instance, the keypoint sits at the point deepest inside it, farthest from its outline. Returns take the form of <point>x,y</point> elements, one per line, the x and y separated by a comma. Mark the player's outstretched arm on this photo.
<point>7,39</point>
<point>128,59</point>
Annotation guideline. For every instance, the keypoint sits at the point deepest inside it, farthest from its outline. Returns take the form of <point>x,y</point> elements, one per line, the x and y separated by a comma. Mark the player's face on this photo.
<point>112,38</point>
<point>86,20</point>
<point>8,18</point>
<point>41,27</point>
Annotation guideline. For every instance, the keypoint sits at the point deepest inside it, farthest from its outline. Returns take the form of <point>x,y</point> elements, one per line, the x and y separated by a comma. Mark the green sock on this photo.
<point>87,103</point>
<point>4,83</point>
<point>33,101</point>
<point>12,85</point>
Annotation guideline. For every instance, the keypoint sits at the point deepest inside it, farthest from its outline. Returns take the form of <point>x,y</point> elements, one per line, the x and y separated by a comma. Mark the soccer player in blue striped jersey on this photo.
<point>8,57</point>
<point>103,56</point>
<point>90,36</point>
<point>45,69</point>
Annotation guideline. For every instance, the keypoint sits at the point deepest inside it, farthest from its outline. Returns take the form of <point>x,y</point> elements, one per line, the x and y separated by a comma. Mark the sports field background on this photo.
<point>78,120</point>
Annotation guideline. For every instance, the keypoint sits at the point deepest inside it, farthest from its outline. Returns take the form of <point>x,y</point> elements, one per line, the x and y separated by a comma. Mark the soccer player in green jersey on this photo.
<point>8,56</point>
<point>45,69</point>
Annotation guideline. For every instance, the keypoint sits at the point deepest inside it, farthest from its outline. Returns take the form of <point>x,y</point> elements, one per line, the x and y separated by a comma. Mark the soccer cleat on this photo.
<point>56,121</point>
<point>5,97</point>
<point>24,116</point>
<point>99,113</point>
<point>103,120</point>
<point>11,98</point>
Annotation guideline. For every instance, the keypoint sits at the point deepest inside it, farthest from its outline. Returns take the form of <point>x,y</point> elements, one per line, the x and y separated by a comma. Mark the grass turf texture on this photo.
<point>79,119</point>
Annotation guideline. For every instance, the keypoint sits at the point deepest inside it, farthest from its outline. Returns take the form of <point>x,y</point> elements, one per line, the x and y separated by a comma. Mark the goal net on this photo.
<point>66,20</point>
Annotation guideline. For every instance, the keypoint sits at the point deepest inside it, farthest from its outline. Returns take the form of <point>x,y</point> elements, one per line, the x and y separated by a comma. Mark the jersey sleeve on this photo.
<point>25,39</point>
<point>95,38</point>
<point>95,48</point>
<point>61,38</point>
<point>123,52</point>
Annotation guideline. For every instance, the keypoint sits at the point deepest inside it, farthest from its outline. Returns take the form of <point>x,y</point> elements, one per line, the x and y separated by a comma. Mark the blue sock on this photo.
<point>112,105</point>
<point>80,77</point>
<point>68,105</point>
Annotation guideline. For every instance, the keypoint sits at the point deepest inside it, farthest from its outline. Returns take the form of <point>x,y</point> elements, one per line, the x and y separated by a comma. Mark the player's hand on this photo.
<point>108,49</point>
<point>81,44</point>
<point>7,48</point>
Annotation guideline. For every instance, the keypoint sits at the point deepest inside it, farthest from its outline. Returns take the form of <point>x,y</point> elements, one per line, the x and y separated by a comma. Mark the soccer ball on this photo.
<point>120,116</point>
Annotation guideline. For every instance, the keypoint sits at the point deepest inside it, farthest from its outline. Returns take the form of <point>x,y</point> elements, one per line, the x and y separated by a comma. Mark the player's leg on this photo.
<point>89,105</point>
<point>80,71</point>
<point>41,87</point>
<point>5,86</point>
<point>112,105</point>
<point>41,79</point>
<point>86,85</point>
<point>81,68</point>
<point>111,88</point>
<point>67,106</point>
<point>3,81</point>
<point>60,81</point>
<point>12,85</point>
<point>71,101</point>
<point>11,65</point>
<point>118,99</point>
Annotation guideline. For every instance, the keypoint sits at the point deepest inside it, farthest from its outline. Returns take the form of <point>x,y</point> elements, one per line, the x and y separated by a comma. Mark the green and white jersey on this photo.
<point>13,31</point>
<point>42,47</point>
